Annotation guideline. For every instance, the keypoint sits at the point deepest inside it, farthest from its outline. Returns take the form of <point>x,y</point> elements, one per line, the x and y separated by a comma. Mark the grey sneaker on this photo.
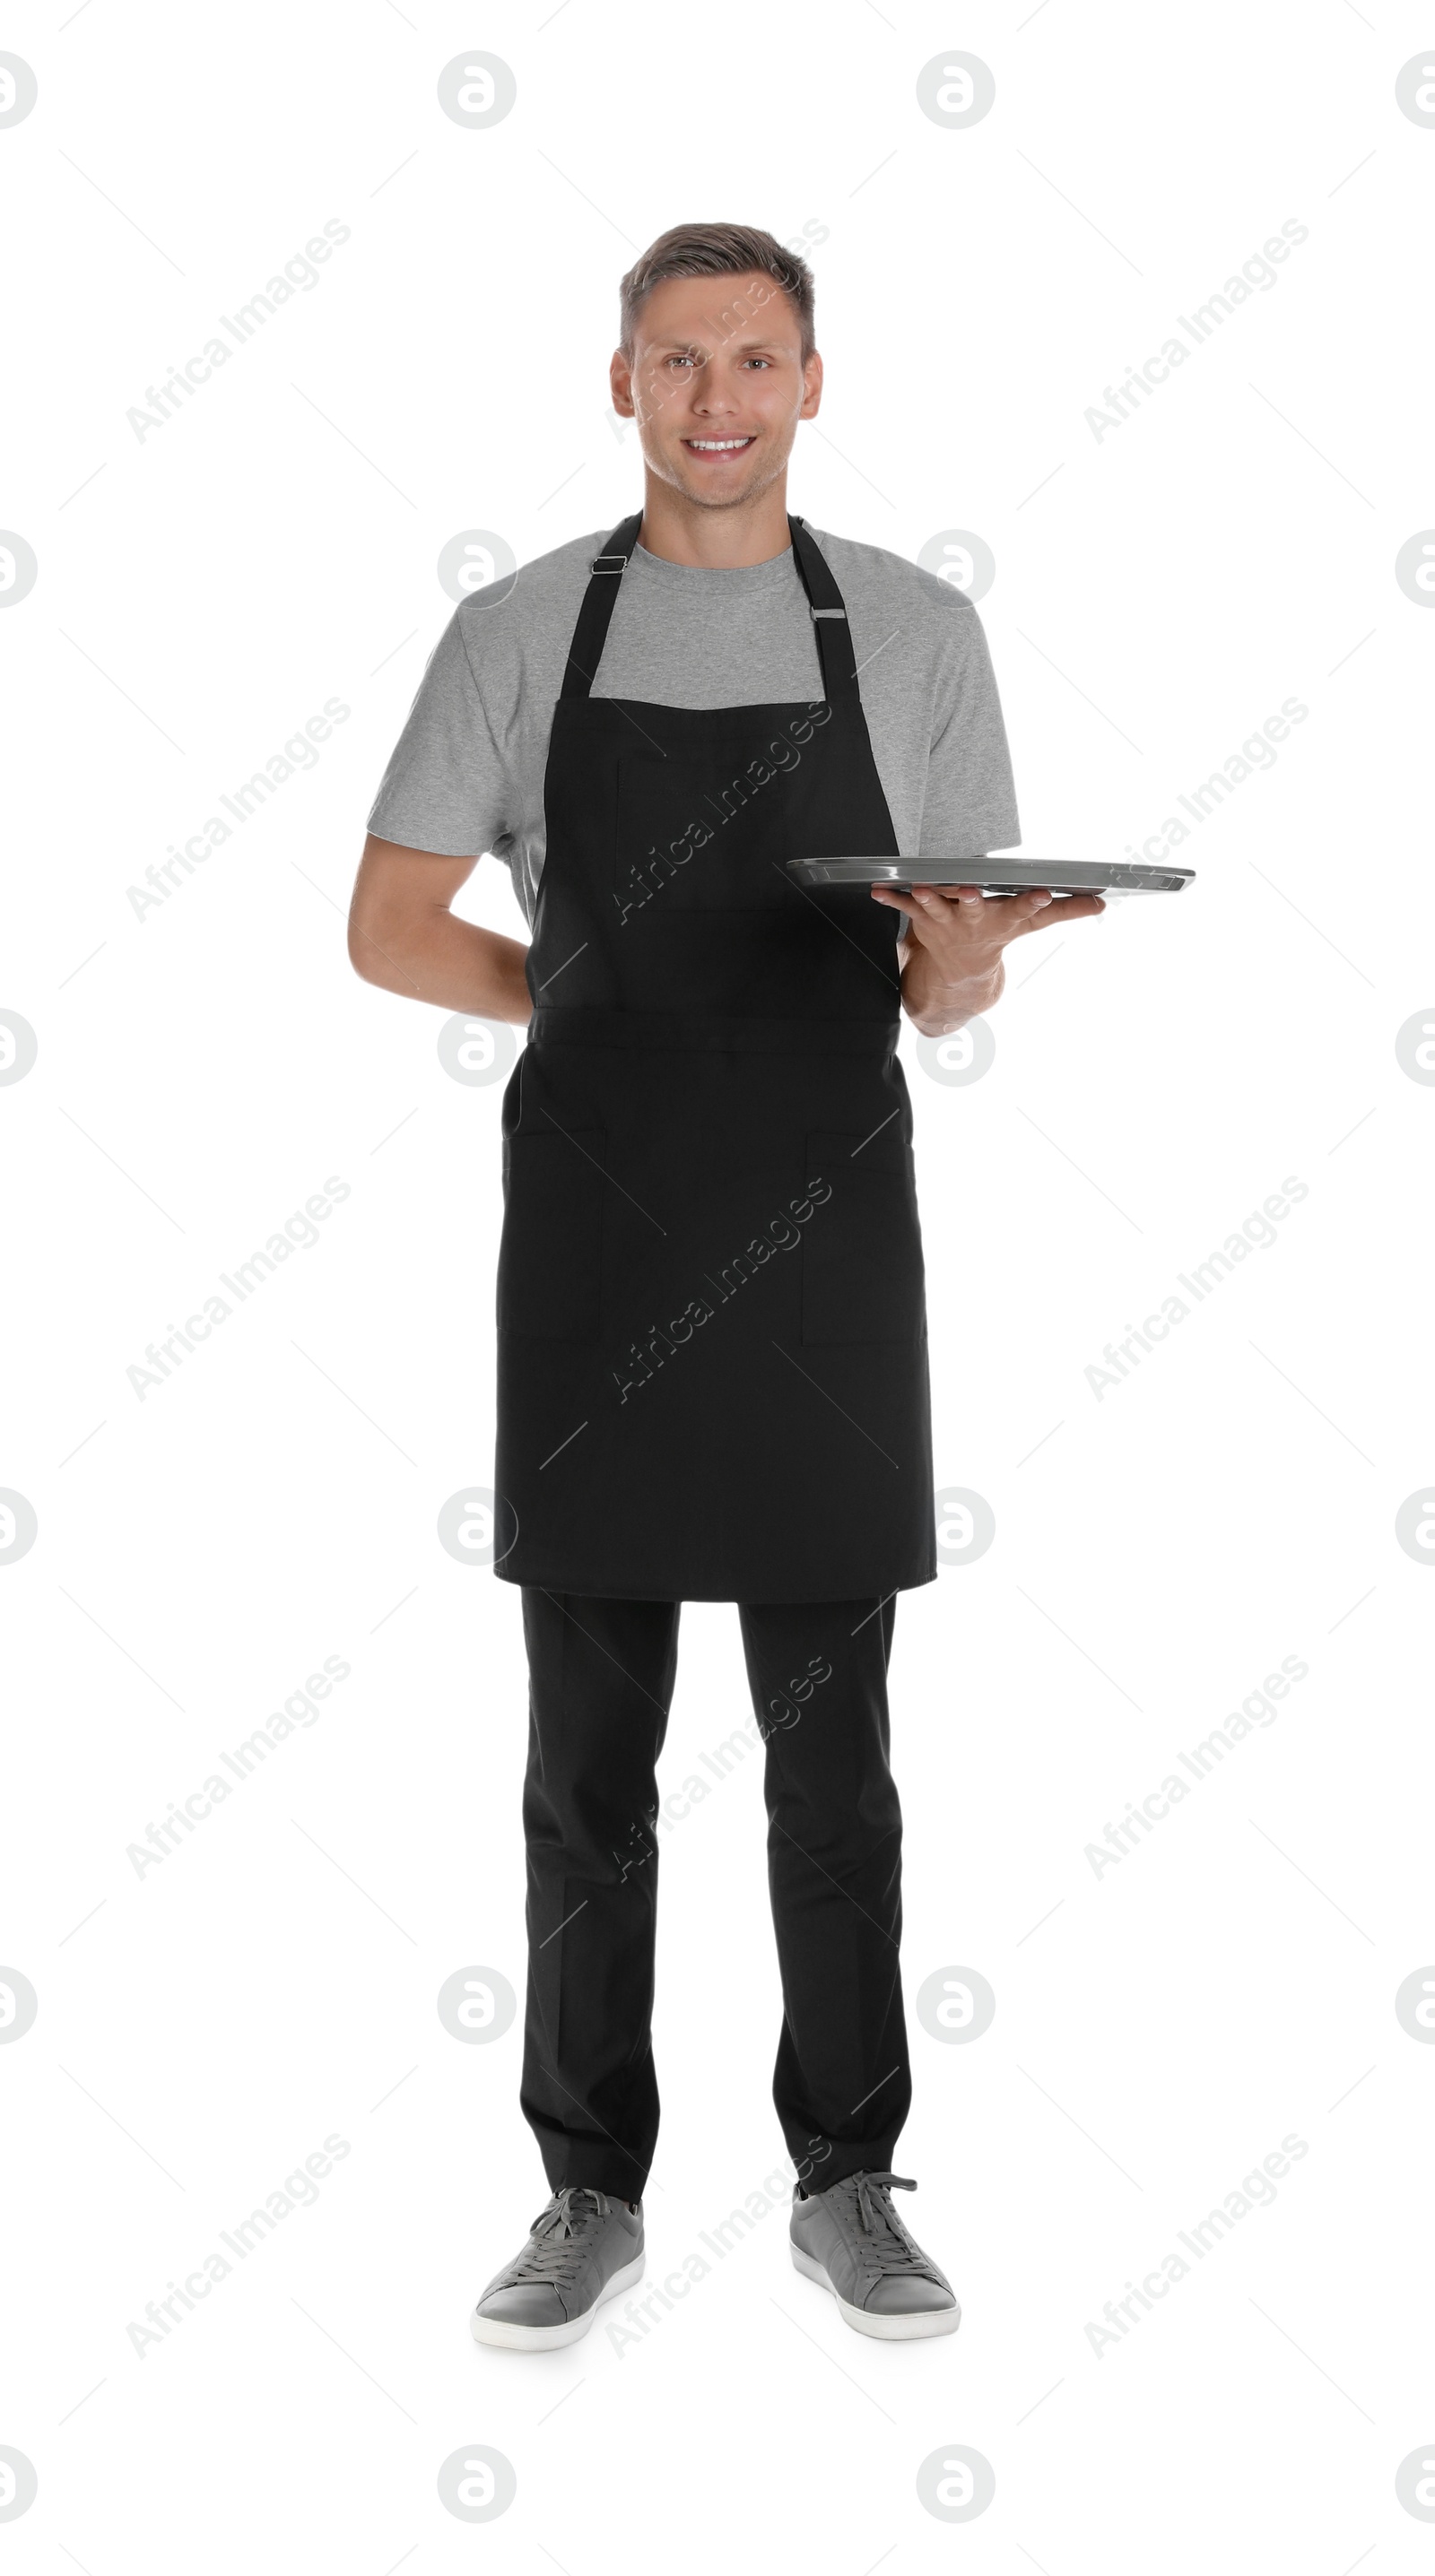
<point>584,2248</point>
<point>850,2238</point>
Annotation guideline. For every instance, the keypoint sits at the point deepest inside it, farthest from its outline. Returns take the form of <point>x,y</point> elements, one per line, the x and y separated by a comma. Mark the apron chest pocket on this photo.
<point>862,1272</point>
<point>673,851</point>
<point>550,1256</point>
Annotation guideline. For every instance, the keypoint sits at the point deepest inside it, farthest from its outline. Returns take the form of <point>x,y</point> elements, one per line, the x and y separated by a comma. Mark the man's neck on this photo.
<point>684,532</point>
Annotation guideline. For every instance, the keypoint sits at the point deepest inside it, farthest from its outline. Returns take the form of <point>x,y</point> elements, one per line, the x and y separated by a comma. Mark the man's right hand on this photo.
<point>403,936</point>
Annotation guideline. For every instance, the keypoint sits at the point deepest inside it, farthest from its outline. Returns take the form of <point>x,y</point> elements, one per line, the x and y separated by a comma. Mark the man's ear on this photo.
<point>620,379</point>
<point>812,387</point>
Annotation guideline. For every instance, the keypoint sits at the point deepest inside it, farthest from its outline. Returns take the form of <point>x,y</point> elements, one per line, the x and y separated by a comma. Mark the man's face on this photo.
<point>717,385</point>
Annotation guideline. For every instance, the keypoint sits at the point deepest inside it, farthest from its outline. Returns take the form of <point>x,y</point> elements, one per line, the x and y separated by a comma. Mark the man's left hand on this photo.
<point>951,950</point>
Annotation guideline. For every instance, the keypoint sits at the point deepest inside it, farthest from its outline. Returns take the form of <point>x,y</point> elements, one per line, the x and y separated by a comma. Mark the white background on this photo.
<point>203,1068</point>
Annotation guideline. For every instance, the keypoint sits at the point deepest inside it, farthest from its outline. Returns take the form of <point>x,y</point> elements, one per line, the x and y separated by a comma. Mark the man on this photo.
<point>712,1371</point>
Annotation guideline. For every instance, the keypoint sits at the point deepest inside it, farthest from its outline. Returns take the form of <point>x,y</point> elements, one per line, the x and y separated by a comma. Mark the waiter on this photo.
<point>712,1348</point>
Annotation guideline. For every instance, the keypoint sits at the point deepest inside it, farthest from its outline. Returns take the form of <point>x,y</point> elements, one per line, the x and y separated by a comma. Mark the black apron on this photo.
<point>712,1340</point>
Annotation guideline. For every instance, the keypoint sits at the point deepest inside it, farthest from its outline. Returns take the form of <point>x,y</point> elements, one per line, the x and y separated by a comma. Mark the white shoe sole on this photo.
<point>919,2323</point>
<point>547,2338</point>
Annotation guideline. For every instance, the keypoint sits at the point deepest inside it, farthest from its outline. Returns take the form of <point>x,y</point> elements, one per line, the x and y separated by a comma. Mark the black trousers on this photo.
<point>601,1678</point>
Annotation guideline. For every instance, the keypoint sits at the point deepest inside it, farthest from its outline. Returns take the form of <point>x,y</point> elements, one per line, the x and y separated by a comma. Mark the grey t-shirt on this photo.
<point>466,775</point>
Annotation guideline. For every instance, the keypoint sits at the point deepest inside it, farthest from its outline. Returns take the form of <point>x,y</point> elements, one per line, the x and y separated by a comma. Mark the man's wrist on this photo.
<point>971,983</point>
<point>965,987</point>
<point>937,1008</point>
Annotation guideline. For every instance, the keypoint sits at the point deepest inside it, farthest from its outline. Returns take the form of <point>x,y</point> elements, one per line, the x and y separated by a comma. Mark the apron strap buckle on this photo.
<point>608,563</point>
<point>823,612</point>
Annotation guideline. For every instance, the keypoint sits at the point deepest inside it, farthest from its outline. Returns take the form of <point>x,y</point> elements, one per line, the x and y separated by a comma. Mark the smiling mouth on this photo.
<point>718,446</point>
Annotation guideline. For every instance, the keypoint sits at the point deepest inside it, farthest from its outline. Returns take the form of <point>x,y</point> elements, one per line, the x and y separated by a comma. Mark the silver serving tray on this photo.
<point>995,875</point>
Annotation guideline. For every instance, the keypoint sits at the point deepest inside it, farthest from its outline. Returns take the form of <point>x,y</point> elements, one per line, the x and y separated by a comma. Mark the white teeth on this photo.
<point>716,446</point>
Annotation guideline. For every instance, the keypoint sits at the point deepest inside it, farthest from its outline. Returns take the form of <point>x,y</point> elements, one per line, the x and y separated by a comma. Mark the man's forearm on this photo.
<point>403,936</point>
<point>450,962</point>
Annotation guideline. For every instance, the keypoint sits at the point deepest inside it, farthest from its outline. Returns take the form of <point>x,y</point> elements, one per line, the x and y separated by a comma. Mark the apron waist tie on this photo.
<point>711,1031</point>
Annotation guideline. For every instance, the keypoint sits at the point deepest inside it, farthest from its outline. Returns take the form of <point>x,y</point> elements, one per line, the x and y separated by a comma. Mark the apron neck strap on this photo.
<point>605,573</point>
<point>829,616</point>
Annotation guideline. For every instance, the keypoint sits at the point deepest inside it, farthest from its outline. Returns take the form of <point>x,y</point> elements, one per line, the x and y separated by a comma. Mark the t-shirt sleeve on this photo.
<point>970,803</point>
<point>447,787</point>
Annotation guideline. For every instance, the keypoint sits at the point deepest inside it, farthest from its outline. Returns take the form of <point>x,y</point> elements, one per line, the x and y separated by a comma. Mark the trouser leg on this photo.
<point>600,1680</point>
<point>842,2084</point>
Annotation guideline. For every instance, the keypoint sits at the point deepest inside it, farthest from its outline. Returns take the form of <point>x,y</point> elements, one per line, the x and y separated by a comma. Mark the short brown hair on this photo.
<point>717,250</point>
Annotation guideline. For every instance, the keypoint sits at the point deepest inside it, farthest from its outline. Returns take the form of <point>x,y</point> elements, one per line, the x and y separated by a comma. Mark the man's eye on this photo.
<point>759,362</point>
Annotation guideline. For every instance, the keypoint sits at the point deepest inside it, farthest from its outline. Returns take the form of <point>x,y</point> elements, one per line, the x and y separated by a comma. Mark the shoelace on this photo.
<point>892,2248</point>
<point>558,2242</point>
